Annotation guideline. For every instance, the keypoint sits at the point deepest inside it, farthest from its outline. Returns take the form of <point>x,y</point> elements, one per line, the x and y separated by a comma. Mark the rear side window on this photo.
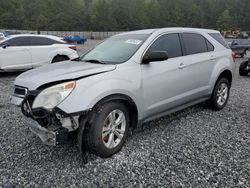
<point>19,41</point>
<point>169,43</point>
<point>220,39</point>
<point>42,41</point>
<point>210,47</point>
<point>194,43</point>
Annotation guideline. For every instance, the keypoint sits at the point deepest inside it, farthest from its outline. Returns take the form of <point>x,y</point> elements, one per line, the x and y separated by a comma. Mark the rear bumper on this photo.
<point>73,55</point>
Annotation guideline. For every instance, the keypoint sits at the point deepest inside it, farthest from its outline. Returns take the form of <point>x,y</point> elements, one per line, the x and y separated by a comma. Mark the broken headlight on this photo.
<point>52,96</point>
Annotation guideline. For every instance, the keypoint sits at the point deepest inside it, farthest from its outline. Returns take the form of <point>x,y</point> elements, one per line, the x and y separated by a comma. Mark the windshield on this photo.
<point>116,50</point>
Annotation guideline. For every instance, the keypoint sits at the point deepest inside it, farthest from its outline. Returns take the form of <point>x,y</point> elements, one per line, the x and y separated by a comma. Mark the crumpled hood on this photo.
<point>67,70</point>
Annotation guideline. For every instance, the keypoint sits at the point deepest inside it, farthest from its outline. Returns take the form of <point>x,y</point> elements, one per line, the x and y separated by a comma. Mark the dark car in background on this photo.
<point>239,46</point>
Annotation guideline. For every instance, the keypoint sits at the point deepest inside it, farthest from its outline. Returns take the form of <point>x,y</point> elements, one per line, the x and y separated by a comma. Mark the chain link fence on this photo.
<point>88,34</point>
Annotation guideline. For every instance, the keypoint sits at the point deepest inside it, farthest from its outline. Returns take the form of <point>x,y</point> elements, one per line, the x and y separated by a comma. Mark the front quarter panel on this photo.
<point>126,80</point>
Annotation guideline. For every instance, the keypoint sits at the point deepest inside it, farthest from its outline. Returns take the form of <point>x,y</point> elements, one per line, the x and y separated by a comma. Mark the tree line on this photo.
<point>123,15</point>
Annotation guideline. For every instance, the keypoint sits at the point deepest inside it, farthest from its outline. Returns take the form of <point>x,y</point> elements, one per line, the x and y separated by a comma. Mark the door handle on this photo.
<point>212,58</point>
<point>182,66</point>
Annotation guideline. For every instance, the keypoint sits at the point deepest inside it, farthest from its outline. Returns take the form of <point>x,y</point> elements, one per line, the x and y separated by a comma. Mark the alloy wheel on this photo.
<point>222,94</point>
<point>113,129</point>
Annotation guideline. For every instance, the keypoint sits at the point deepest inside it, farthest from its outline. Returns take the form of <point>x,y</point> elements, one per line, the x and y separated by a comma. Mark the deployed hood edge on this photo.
<point>48,84</point>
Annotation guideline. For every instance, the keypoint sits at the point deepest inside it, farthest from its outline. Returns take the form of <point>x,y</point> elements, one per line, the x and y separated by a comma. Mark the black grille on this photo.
<point>20,91</point>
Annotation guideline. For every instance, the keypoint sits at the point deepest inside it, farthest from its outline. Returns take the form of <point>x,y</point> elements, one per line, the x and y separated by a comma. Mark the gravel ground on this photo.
<point>196,147</point>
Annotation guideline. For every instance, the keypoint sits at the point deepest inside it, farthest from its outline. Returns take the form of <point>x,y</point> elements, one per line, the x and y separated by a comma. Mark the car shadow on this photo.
<point>145,127</point>
<point>8,74</point>
<point>70,152</point>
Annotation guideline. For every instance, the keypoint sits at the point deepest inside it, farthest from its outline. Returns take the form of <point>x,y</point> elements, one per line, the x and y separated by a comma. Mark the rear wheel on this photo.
<point>59,58</point>
<point>244,68</point>
<point>220,94</point>
<point>107,130</point>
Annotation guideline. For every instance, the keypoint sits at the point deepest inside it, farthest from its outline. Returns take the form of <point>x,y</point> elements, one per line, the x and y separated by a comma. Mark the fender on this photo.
<point>89,91</point>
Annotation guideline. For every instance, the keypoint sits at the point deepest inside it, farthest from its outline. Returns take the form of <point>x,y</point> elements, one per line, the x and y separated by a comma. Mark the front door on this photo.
<point>164,82</point>
<point>15,55</point>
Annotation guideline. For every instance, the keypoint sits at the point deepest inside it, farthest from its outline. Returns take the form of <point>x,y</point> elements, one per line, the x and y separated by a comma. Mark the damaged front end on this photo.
<point>53,126</point>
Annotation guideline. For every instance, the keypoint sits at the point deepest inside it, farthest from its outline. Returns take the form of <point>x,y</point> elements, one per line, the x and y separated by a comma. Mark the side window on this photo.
<point>220,39</point>
<point>41,41</point>
<point>19,41</point>
<point>210,47</point>
<point>194,43</point>
<point>170,43</point>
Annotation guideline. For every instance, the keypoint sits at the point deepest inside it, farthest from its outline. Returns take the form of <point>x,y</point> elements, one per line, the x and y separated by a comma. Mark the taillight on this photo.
<point>73,48</point>
<point>233,56</point>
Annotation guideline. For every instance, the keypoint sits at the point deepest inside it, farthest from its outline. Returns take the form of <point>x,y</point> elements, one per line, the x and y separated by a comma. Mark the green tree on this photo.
<point>109,15</point>
<point>224,21</point>
<point>102,20</point>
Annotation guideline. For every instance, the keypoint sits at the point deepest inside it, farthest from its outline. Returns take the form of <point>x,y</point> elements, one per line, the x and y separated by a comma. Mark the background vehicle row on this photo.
<point>20,52</point>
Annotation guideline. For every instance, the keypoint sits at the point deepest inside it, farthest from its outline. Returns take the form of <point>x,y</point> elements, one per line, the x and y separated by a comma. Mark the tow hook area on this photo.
<point>52,127</point>
<point>50,137</point>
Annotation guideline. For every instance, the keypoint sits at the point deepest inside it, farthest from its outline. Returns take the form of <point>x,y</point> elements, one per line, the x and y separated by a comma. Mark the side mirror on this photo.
<point>5,45</point>
<point>155,56</point>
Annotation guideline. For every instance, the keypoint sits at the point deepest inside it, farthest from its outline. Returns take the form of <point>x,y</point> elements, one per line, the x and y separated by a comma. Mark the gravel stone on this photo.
<point>196,147</point>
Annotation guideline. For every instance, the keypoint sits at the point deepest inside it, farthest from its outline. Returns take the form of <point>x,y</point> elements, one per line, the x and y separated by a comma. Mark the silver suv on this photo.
<point>127,80</point>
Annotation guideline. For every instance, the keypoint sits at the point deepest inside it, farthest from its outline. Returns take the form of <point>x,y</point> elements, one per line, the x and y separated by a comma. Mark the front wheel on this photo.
<point>220,94</point>
<point>107,130</point>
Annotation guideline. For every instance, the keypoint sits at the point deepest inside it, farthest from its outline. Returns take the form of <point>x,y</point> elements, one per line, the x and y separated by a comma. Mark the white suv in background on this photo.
<point>26,51</point>
<point>2,36</point>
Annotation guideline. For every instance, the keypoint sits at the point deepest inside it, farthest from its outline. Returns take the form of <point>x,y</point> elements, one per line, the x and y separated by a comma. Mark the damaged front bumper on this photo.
<point>50,137</point>
<point>53,127</point>
<point>47,136</point>
<point>16,100</point>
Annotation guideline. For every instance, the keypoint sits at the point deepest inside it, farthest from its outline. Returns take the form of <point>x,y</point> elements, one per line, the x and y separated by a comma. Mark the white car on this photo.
<point>26,51</point>
<point>2,36</point>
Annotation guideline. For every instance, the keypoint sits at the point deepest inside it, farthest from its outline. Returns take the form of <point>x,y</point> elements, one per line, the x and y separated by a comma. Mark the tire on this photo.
<point>244,68</point>
<point>101,136</point>
<point>59,59</point>
<point>220,96</point>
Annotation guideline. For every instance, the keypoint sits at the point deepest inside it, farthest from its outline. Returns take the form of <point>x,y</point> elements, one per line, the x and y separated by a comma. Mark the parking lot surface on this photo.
<point>196,147</point>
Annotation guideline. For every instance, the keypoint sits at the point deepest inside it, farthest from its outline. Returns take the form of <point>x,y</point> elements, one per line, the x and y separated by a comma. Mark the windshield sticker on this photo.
<point>133,41</point>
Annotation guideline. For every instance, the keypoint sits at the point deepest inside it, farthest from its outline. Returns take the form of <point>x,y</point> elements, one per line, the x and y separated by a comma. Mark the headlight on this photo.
<point>52,96</point>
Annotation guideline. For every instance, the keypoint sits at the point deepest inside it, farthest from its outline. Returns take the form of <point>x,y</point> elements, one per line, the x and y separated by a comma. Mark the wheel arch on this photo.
<point>127,101</point>
<point>59,55</point>
<point>226,74</point>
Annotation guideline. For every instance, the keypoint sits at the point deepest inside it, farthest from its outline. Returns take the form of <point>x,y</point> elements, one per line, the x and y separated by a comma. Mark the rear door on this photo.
<point>41,50</point>
<point>16,56</point>
<point>198,64</point>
